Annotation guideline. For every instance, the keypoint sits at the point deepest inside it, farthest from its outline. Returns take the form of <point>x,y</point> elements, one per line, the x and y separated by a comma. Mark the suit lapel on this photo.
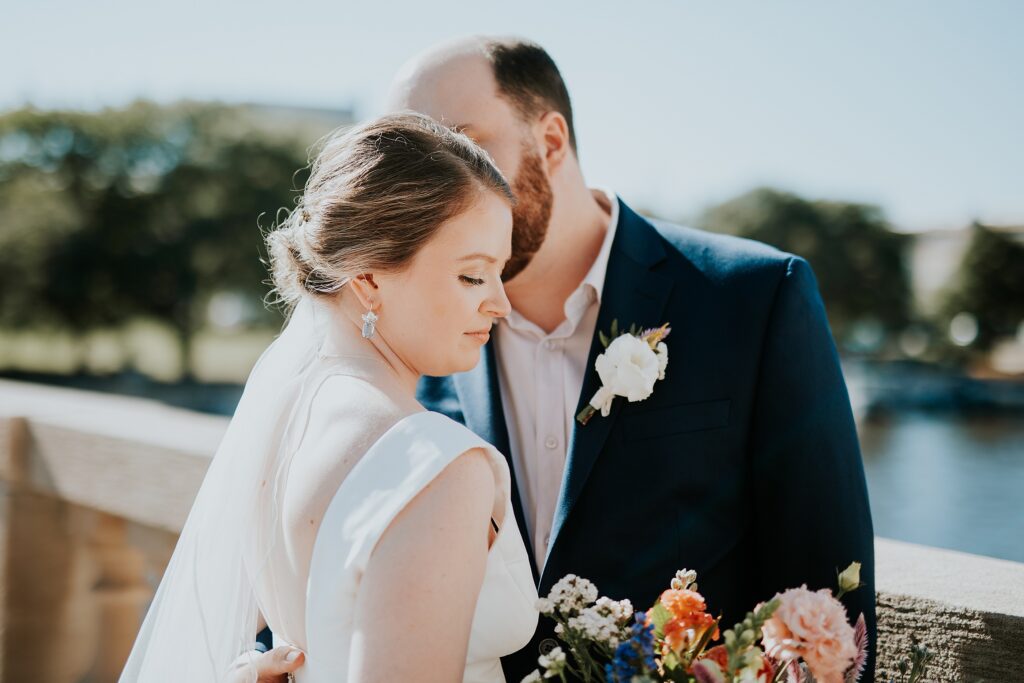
<point>480,399</point>
<point>634,292</point>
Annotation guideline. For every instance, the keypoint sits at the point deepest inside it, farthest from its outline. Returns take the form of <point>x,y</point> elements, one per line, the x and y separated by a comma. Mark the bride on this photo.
<point>376,537</point>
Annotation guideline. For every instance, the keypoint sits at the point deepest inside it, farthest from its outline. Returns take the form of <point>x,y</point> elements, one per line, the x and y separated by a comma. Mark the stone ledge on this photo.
<point>133,458</point>
<point>143,462</point>
<point>968,645</point>
<point>970,582</point>
<point>968,609</point>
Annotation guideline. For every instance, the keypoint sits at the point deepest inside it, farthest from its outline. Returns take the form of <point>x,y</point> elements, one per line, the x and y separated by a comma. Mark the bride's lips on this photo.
<point>480,335</point>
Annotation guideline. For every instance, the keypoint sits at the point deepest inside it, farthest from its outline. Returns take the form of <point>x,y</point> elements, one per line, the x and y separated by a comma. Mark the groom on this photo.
<point>743,464</point>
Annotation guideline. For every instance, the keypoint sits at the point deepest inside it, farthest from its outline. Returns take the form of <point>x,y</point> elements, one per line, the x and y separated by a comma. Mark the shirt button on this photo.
<point>551,442</point>
<point>547,539</point>
<point>547,645</point>
<point>551,344</point>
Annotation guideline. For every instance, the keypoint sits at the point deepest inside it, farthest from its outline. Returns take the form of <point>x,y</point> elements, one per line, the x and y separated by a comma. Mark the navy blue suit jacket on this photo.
<point>743,464</point>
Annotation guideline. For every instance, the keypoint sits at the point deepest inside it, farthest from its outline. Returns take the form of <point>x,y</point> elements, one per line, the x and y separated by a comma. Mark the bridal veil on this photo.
<point>204,614</point>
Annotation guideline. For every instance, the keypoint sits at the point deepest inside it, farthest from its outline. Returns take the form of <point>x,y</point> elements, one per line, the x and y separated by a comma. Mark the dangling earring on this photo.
<point>369,324</point>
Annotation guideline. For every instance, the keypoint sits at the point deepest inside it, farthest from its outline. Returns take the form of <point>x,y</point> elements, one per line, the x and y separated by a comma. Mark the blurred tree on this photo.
<point>142,211</point>
<point>858,260</point>
<point>985,300</point>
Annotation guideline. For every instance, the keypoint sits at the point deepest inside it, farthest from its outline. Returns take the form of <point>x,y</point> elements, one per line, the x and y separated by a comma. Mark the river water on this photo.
<point>944,478</point>
<point>948,480</point>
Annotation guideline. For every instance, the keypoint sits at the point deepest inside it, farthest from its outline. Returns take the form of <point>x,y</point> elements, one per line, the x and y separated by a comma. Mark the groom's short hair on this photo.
<point>529,79</point>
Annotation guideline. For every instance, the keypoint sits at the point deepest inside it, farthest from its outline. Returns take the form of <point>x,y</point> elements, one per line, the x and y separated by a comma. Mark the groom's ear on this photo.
<point>555,140</point>
<point>366,290</point>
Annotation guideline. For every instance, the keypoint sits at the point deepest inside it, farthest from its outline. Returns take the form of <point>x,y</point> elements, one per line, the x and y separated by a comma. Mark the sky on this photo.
<point>914,105</point>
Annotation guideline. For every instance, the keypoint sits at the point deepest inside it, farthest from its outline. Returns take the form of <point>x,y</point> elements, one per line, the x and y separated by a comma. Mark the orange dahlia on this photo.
<point>689,620</point>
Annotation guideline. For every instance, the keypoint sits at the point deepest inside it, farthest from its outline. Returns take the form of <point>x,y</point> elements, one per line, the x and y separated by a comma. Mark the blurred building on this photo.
<point>935,257</point>
<point>311,122</point>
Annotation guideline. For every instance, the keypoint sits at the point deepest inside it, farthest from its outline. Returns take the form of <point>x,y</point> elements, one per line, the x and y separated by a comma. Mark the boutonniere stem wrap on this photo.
<point>630,365</point>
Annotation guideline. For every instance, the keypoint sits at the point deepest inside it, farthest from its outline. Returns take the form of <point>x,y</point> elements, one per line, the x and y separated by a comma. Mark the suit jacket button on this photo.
<point>547,645</point>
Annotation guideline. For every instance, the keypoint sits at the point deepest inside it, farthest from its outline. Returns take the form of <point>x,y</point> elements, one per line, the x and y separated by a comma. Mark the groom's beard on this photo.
<point>530,215</point>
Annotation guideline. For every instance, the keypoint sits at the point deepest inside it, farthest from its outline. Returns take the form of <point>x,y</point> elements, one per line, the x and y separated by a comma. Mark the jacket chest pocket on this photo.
<point>676,419</point>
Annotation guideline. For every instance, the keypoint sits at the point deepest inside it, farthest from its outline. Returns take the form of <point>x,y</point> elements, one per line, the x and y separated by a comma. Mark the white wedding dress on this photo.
<point>250,545</point>
<point>401,463</point>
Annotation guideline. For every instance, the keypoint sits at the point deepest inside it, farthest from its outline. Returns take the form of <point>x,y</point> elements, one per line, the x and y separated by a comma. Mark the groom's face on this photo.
<point>461,93</point>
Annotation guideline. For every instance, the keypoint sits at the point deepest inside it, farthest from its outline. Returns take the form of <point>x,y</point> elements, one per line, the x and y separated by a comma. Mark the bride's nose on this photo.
<point>497,304</point>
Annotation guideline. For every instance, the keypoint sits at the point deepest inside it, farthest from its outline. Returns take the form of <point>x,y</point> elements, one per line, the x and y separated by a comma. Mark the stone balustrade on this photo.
<point>94,488</point>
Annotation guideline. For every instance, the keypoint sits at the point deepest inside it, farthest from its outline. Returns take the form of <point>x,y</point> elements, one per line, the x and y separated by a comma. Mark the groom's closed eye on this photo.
<point>468,131</point>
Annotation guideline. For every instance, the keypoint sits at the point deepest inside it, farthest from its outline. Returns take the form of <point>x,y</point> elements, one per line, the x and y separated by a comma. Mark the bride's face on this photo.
<point>437,313</point>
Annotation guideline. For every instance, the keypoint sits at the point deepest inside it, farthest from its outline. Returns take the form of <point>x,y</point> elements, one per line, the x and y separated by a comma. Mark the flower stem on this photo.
<point>584,415</point>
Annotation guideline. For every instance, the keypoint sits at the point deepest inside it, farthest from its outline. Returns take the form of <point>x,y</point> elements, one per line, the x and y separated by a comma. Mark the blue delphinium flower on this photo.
<point>634,656</point>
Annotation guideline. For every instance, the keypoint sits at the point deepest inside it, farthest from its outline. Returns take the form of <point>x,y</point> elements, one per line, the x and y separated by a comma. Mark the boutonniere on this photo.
<point>630,365</point>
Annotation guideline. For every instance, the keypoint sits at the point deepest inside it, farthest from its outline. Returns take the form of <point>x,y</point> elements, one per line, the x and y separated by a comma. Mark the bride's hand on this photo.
<point>269,667</point>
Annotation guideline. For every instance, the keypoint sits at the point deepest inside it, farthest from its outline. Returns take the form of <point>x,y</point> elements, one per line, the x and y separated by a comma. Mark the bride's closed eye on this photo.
<point>471,280</point>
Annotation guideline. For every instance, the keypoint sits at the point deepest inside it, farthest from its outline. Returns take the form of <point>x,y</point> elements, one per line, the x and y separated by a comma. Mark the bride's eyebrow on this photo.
<point>472,257</point>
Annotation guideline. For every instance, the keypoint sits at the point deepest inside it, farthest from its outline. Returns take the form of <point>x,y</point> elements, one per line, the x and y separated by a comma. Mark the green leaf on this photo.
<point>615,328</point>
<point>679,675</point>
<point>604,339</point>
<point>659,617</point>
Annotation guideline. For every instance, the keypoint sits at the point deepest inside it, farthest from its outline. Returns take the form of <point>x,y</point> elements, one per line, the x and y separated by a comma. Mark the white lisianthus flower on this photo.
<point>533,677</point>
<point>662,353</point>
<point>629,368</point>
<point>602,400</point>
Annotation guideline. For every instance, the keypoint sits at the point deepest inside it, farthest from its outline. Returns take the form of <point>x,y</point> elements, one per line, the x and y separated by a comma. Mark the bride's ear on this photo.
<point>366,291</point>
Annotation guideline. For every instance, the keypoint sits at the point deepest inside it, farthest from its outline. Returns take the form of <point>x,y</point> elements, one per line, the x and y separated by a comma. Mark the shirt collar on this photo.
<point>589,289</point>
<point>595,276</point>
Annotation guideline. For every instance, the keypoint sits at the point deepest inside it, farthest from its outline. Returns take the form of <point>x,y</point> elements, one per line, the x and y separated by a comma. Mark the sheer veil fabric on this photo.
<point>204,613</point>
<point>233,560</point>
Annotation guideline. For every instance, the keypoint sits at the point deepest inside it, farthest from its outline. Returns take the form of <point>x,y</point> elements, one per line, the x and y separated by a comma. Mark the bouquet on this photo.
<point>799,636</point>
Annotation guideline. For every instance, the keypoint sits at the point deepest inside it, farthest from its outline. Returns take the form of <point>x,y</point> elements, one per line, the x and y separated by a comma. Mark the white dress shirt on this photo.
<point>541,376</point>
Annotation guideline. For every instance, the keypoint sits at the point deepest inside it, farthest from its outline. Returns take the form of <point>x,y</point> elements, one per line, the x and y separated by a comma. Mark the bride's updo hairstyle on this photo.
<point>376,194</point>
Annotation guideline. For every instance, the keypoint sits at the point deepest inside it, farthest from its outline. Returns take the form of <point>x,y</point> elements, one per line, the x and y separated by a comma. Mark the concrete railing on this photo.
<point>94,488</point>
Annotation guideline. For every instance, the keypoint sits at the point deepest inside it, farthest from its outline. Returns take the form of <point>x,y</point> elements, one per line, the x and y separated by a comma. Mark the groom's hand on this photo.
<point>268,667</point>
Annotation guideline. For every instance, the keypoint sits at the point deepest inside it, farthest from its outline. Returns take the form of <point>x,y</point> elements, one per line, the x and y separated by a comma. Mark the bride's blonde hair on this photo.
<point>376,194</point>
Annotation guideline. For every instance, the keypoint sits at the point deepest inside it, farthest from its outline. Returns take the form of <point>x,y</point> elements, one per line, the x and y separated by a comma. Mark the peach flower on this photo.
<point>689,619</point>
<point>811,625</point>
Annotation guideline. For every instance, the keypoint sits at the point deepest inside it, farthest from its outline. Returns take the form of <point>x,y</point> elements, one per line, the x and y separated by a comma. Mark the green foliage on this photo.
<point>741,638</point>
<point>912,669</point>
<point>141,211</point>
<point>989,285</point>
<point>858,260</point>
<point>659,617</point>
